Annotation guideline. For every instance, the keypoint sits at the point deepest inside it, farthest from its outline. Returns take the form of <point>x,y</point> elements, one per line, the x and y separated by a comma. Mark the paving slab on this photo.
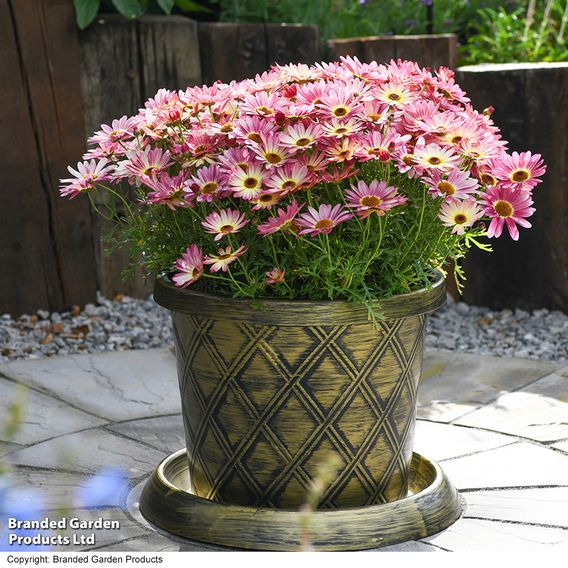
<point>7,447</point>
<point>538,411</point>
<point>164,433</point>
<point>157,543</point>
<point>454,384</point>
<point>90,451</point>
<point>43,416</point>
<point>119,385</point>
<point>103,537</point>
<point>518,465</point>
<point>474,535</point>
<point>544,505</point>
<point>58,488</point>
<point>562,445</point>
<point>441,441</point>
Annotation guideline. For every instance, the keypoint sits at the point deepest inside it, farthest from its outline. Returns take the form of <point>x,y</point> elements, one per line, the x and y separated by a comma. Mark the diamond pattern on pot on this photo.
<point>263,411</point>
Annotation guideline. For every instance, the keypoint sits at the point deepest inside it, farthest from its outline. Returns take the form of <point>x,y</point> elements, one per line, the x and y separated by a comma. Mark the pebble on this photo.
<point>541,334</point>
<point>127,323</point>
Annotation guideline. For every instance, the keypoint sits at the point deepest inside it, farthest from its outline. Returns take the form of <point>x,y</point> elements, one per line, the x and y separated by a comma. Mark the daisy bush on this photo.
<point>336,181</point>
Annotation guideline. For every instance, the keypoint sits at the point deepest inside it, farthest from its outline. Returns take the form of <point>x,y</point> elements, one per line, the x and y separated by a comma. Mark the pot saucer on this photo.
<point>432,505</point>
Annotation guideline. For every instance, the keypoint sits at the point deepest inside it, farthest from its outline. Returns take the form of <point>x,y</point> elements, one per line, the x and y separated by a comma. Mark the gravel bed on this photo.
<point>127,323</point>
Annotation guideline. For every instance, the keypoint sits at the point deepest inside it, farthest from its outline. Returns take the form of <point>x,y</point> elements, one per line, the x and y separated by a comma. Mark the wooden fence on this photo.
<point>46,243</point>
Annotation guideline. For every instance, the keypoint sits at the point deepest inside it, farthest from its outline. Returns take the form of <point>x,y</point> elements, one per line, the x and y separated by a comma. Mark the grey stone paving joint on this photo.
<point>503,422</point>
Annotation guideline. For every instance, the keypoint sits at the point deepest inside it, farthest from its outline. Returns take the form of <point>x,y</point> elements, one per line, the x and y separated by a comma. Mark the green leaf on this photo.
<point>166,5</point>
<point>130,8</point>
<point>85,11</point>
<point>190,6</point>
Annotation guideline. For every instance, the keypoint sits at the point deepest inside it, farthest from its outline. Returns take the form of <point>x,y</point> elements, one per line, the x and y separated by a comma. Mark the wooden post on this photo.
<point>530,108</point>
<point>124,63</point>
<point>240,51</point>
<point>46,247</point>
<point>427,50</point>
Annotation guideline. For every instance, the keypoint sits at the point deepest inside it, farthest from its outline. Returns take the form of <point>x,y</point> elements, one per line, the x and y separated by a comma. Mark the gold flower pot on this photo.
<point>272,389</point>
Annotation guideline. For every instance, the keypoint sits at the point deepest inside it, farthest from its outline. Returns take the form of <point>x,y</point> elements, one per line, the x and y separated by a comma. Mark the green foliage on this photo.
<point>360,260</point>
<point>352,18</point>
<point>534,31</point>
<point>87,10</point>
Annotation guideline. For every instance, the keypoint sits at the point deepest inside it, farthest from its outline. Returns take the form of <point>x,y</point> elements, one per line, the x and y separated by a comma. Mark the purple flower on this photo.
<point>22,506</point>
<point>102,489</point>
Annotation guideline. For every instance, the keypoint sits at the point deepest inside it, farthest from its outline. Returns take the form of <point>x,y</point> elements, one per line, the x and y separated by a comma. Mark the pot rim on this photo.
<point>296,313</point>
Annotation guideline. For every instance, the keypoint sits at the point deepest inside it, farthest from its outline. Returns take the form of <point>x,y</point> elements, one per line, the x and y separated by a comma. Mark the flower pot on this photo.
<point>272,389</point>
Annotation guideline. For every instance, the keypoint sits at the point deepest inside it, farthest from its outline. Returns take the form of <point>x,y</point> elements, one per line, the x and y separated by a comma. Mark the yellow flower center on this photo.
<point>254,136</point>
<point>273,158</point>
<point>371,201</point>
<point>228,127</point>
<point>226,229</point>
<point>394,97</point>
<point>302,141</point>
<point>289,185</point>
<point>324,224</point>
<point>520,175</point>
<point>434,160</point>
<point>503,208</point>
<point>340,111</point>
<point>209,187</point>
<point>250,183</point>
<point>488,179</point>
<point>456,139</point>
<point>264,110</point>
<point>446,188</point>
<point>460,219</point>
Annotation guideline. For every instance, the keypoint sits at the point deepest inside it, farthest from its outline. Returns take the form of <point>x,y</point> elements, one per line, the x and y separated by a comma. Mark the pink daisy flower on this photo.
<point>289,178</point>
<point>519,171</point>
<point>169,191</point>
<point>223,258</point>
<point>189,267</point>
<point>377,197</point>
<point>247,184</point>
<point>271,151</point>
<point>459,214</point>
<point>85,177</point>
<point>285,218</point>
<point>456,185</point>
<point>148,161</point>
<point>120,129</point>
<point>434,157</point>
<point>299,136</point>
<point>275,276</point>
<point>508,207</point>
<point>208,183</point>
<point>322,220</point>
<point>225,222</point>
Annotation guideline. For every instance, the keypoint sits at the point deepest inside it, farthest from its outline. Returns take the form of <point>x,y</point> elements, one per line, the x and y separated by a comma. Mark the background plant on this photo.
<point>87,10</point>
<point>356,18</point>
<point>530,31</point>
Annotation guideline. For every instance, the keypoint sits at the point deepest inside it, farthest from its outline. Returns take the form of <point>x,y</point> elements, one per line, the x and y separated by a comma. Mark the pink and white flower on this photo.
<point>189,267</point>
<point>460,214</point>
<point>285,218</point>
<point>455,185</point>
<point>519,171</point>
<point>85,177</point>
<point>435,157</point>
<point>378,197</point>
<point>506,206</point>
<point>275,276</point>
<point>322,220</point>
<point>224,222</point>
<point>224,258</point>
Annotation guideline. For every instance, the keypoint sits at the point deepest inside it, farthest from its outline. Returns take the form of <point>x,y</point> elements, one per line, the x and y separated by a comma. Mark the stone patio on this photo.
<point>499,427</point>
